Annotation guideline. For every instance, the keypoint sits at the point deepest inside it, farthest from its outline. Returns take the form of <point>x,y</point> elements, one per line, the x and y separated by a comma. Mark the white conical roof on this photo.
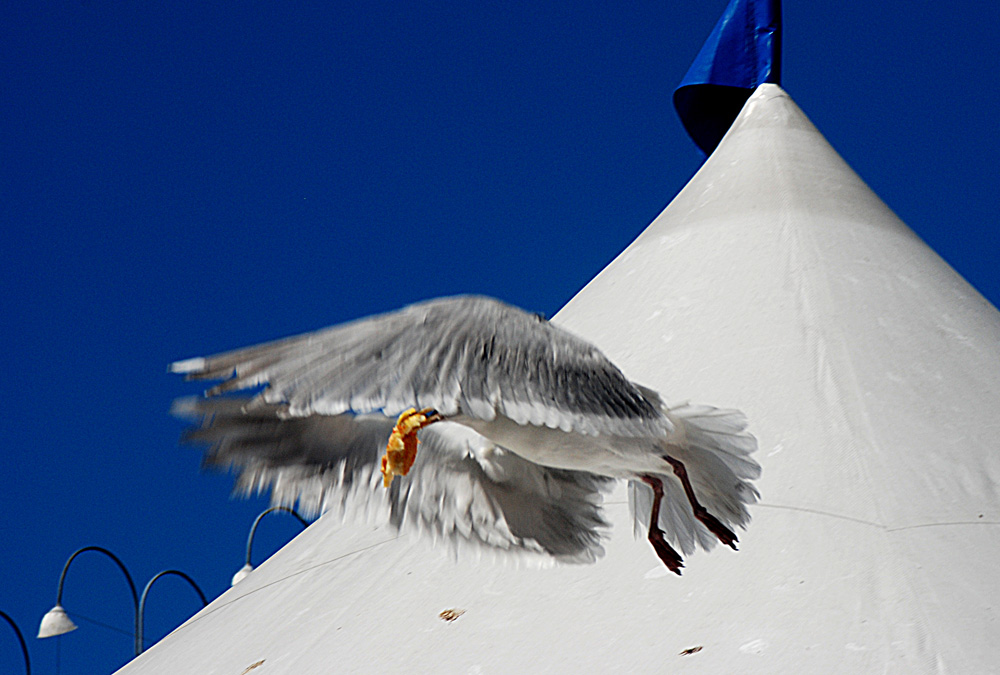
<point>778,283</point>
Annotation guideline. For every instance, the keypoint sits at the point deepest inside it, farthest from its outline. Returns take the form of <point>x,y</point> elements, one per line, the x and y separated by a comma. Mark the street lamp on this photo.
<point>20,638</point>
<point>145,592</point>
<point>57,622</point>
<point>245,571</point>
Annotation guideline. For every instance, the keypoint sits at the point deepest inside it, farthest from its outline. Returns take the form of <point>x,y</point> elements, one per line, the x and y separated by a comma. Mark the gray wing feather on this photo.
<point>466,354</point>
<point>461,487</point>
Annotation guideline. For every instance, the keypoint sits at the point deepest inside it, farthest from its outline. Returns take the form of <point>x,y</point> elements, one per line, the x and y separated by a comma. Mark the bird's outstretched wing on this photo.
<point>470,355</point>
<point>462,488</point>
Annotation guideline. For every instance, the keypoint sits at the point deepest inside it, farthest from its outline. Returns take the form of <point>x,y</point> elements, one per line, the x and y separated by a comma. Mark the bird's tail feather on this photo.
<point>715,447</point>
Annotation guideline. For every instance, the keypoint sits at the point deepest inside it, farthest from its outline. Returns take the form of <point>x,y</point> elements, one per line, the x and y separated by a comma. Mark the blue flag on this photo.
<point>743,51</point>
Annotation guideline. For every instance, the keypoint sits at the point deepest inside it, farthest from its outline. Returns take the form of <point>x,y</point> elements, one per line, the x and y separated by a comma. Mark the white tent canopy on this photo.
<point>777,283</point>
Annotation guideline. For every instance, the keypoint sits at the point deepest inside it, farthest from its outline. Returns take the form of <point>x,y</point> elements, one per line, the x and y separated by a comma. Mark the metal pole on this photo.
<point>142,602</point>
<point>20,638</point>
<point>253,529</point>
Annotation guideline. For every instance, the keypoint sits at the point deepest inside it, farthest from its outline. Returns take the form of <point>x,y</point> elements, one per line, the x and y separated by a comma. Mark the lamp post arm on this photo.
<point>20,638</point>
<point>142,602</point>
<point>253,528</point>
<point>121,566</point>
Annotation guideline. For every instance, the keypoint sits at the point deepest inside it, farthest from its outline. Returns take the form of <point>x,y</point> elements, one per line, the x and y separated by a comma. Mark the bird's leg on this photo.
<point>714,525</point>
<point>401,450</point>
<point>668,555</point>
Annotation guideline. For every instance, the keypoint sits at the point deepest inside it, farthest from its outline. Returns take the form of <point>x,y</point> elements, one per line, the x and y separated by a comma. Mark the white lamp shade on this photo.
<point>242,574</point>
<point>55,622</point>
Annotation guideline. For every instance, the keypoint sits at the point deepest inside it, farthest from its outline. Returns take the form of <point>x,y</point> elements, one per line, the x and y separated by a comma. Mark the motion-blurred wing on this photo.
<point>470,355</point>
<point>461,487</point>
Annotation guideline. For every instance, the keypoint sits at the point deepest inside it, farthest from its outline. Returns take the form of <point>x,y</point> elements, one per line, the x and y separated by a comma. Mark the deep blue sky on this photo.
<point>180,181</point>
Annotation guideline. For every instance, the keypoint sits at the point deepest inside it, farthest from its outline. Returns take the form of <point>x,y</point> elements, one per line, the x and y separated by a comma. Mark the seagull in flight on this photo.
<point>522,426</point>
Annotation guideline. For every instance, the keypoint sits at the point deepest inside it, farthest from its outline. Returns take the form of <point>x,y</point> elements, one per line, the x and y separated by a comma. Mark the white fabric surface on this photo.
<point>777,283</point>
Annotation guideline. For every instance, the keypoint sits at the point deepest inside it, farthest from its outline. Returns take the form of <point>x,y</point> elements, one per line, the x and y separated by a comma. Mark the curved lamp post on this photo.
<point>245,571</point>
<point>56,622</point>
<point>142,602</point>
<point>20,638</point>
